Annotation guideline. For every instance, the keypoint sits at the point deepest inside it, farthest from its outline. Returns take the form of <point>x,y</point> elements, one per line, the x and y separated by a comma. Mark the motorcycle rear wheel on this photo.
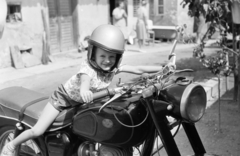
<point>33,147</point>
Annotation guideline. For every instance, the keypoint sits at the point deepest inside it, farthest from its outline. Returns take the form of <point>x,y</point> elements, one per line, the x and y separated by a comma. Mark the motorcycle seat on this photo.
<point>13,99</point>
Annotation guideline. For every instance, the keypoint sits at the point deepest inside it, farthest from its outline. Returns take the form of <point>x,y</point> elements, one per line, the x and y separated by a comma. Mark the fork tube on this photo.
<point>194,138</point>
<point>163,131</point>
<point>149,142</point>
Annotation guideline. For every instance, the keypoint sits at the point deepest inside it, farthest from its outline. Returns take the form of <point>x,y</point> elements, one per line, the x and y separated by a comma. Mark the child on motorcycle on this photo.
<point>106,47</point>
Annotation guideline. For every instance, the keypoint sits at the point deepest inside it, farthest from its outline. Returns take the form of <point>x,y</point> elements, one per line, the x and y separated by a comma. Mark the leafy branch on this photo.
<point>218,14</point>
<point>218,64</point>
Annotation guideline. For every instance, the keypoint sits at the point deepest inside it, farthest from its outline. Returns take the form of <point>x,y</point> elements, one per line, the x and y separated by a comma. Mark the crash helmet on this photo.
<point>110,39</point>
<point>3,14</point>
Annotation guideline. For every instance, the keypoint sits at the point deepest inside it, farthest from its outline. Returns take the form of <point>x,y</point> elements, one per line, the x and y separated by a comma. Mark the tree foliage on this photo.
<point>218,14</point>
<point>215,11</point>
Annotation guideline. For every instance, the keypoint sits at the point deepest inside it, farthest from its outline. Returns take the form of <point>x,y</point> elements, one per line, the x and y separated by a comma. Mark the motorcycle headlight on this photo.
<point>193,103</point>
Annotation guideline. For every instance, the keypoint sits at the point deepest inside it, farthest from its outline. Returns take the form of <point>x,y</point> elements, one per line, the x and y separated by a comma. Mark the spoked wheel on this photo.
<point>33,147</point>
<point>174,126</point>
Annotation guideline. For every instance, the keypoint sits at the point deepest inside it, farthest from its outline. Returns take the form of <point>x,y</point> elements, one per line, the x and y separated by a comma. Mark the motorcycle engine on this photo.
<point>87,149</point>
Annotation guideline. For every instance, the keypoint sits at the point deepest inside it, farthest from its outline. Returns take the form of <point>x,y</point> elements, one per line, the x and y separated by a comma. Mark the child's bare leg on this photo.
<point>48,115</point>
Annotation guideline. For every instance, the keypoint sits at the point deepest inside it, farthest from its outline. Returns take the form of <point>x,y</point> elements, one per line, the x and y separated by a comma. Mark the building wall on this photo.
<point>169,18</point>
<point>91,13</point>
<point>87,15</point>
<point>26,33</point>
<point>174,14</point>
<point>31,13</point>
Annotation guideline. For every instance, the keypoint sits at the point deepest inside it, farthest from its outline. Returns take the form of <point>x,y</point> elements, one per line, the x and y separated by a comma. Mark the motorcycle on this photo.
<point>120,121</point>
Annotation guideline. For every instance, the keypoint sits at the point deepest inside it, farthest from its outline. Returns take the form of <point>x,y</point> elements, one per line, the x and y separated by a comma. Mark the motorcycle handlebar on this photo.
<point>113,91</point>
<point>103,93</point>
<point>156,87</point>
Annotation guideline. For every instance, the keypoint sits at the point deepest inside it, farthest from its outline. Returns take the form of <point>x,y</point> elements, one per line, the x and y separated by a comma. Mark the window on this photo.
<point>14,13</point>
<point>160,7</point>
<point>135,7</point>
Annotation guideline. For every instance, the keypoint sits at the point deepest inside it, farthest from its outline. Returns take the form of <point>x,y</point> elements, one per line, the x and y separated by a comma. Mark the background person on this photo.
<point>120,18</point>
<point>141,26</point>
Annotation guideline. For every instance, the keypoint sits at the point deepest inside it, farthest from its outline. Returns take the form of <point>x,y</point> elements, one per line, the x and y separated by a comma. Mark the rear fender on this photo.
<point>5,121</point>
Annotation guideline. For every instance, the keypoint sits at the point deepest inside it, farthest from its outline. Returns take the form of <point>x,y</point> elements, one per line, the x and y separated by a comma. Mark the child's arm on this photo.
<point>139,69</point>
<point>85,93</point>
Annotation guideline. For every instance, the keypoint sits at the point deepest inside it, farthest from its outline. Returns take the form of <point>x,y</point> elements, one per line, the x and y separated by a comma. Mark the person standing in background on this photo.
<point>141,26</point>
<point>120,18</point>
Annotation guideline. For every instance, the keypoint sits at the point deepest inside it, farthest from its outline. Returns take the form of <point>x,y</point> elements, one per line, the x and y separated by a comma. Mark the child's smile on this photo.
<point>105,60</point>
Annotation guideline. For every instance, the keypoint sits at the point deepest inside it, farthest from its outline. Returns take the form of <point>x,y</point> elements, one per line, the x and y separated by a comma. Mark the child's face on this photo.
<point>104,59</point>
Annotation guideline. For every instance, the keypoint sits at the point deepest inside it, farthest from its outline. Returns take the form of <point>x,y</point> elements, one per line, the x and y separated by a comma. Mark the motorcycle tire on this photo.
<point>31,147</point>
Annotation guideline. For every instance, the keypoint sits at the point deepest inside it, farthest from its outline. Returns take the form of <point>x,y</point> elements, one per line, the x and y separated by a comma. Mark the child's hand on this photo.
<point>87,96</point>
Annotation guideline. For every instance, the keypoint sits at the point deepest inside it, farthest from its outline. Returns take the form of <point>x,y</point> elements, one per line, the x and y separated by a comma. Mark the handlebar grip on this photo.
<point>103,93</point>
<point>153,88</point>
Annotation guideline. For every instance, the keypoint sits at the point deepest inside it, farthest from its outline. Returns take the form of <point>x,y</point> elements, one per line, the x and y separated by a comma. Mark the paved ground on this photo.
<point>64,60</point>
<point>219,137</point>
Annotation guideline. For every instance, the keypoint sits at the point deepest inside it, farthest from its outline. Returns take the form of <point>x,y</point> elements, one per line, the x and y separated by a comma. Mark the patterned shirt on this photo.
<point>98,81</point>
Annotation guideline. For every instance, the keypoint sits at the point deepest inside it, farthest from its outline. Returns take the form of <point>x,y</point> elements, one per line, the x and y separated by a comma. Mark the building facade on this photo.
<point>68,22</point>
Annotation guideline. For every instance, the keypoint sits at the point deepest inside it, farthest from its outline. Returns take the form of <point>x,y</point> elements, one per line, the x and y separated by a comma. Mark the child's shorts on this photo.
<point>60,99</point>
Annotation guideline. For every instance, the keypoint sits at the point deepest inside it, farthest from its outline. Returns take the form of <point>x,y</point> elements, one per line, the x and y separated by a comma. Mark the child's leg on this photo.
<point>47,117</point>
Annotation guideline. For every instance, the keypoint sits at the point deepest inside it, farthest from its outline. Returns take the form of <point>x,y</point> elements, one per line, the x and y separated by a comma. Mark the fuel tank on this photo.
<point>125,122</point>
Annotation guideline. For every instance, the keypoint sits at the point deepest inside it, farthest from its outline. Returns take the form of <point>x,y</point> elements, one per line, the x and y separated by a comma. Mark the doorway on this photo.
<point>61,25</point>
<point>113,5</point>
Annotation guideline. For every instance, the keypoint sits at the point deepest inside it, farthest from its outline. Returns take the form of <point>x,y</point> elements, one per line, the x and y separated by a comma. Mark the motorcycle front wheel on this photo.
<point>33,147</point>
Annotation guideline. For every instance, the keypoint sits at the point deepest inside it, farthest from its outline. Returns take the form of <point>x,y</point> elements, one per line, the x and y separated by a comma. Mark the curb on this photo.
<point>211,88</point>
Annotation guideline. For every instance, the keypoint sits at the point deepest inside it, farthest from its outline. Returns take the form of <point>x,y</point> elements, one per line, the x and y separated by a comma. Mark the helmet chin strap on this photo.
<point>99,69</point>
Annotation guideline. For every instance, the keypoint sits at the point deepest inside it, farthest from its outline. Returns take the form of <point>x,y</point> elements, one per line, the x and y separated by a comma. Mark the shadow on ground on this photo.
<point>225,142</point>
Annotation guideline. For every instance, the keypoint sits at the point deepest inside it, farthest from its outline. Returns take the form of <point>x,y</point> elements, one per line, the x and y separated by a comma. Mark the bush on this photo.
<point>200,72</point>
